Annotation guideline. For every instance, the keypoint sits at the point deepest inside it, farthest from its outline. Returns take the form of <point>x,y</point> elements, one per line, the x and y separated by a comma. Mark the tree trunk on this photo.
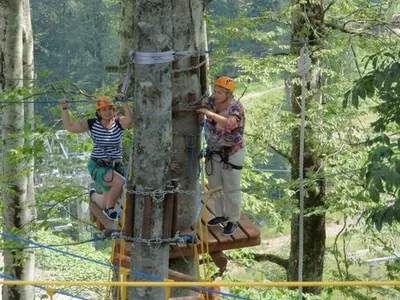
<point>188,35</point>
<point>17,217</point>
<point>29,209</point>
<point>153,137</point>
<point>314,199</point>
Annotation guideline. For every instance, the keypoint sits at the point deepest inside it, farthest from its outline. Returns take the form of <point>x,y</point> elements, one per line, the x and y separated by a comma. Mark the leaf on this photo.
<point>374,193</point>
<point>354,98</point>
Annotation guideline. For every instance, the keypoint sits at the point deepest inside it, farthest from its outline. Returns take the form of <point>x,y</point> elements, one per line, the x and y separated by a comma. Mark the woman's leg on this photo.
<point>99,199</point>
<point>116,182</point>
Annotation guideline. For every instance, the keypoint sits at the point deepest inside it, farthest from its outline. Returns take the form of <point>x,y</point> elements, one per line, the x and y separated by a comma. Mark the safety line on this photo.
<point>190,284</point>
<point>54,101</point>
<point>116,268</point>
<point>10,278</point>
<point>77,256</point>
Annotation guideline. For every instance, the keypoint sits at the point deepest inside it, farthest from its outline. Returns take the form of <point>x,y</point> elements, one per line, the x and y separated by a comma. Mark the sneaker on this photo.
<point>217,220</point>
<point>230,228</point>
<point>110,213</point>
<point>91,192</point>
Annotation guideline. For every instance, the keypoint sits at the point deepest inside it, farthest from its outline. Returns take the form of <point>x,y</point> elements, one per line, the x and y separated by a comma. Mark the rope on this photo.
<point>303,65</point>
<point>54,101</point>
<point>116,268</point>
<point>42,287</point>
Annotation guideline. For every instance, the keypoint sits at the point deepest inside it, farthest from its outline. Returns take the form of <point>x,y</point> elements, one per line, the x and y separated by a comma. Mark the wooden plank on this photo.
<point>146,217</point>
<point>215,230</point>
<point>175,214</point>
<point>129,213</point>
<point>101,220</point>
<point>248,228</point>
<point>168,215</point>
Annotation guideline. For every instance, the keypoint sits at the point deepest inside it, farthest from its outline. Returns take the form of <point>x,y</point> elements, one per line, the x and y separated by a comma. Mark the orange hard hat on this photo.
<point>103,101</point>
<point>226,83</point>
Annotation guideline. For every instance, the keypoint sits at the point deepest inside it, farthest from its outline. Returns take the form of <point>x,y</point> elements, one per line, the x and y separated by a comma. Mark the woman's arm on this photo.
<point>221,120</point>
<point>73,127</point>
<point>126,120</point>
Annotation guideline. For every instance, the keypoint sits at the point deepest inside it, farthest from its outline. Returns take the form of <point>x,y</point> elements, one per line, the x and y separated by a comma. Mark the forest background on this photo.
<point>251,41</point>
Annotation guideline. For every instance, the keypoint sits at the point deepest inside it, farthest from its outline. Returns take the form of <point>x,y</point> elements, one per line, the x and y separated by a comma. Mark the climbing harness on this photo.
<point>224,159</point>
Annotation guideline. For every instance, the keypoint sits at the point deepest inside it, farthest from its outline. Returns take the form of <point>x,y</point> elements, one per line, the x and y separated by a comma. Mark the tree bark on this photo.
<point>153,137</point>
<point>29,208</point>
<point>188,35</point>
<point>17,217</point>
<point>314,199</point>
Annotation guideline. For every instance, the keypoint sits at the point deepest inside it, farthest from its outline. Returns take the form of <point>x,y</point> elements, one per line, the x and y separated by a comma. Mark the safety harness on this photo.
<point>224,155</point>
<point>117,166</point>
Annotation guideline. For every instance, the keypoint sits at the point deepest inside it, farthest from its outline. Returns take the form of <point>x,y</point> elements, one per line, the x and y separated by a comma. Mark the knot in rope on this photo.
<point>304,61</point>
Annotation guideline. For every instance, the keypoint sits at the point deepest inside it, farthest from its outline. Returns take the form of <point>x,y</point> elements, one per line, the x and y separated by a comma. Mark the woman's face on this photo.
<point>107,113</point>
<point>220,94</point>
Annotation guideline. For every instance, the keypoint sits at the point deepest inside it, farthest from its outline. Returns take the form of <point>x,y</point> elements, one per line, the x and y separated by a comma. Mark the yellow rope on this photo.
<point>51,292</point>
<point>202,283</point>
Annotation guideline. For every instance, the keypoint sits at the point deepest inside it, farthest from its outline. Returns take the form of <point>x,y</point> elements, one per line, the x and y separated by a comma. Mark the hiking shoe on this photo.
<point>230,228</point>
<point>217,220</point>
<point>110,213</point>
<point>91,192</point>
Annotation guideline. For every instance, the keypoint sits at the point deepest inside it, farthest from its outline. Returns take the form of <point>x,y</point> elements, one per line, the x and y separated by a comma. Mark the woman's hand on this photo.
<point>63,104</point>
<point>120,96</point>
<point>206,112</point>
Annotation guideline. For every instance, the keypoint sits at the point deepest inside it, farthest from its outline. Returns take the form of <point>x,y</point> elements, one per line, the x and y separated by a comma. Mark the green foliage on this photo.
<point>75,40</point>
<point>60,267</point>
<point>381,172</point>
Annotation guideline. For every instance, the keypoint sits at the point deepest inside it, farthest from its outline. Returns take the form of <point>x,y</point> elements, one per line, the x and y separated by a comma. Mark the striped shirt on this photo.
<point>107,142</point>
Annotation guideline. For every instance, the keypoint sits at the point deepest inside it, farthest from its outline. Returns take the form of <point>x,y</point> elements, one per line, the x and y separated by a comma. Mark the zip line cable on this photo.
<point>116,268</point>
<point>42,287</point>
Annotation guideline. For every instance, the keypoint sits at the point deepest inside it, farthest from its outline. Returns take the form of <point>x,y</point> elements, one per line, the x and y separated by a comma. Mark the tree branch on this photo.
<point>282,262</point>
<point>329,6</point>
<point>284,155</point>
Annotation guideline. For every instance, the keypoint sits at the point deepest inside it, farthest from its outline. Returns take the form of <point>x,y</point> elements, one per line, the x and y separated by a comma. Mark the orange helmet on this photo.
<point>103,101</point>
<point>226,83</point>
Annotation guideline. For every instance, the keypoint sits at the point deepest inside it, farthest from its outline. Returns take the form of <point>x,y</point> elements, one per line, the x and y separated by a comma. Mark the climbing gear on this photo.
<point>230,228</point>
<point>217,220</point>
<point>103,101</point>
<point>226,83</point>
<point>224,155</point>
<point>106,164</point>
<point>91,192</point>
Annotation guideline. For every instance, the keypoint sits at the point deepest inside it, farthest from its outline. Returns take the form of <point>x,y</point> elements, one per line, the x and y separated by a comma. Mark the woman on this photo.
<point>225,151</point>
<point>105,163</point>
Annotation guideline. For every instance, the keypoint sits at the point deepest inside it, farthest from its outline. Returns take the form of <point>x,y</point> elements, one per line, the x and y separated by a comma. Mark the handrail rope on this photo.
<point>133,272</point>
<point>304,65</point>
<point>199,284</point>
<point>56,101</point>
<point>42,287</point>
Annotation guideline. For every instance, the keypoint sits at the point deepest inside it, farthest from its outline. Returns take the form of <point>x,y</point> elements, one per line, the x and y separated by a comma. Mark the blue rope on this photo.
<point>53,101</point>
<point>43,288</point>
<point>116,268</point>
<point>203,142</point>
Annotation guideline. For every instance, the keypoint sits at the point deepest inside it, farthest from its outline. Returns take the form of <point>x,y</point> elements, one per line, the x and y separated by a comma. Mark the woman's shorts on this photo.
<point>98,172</point>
